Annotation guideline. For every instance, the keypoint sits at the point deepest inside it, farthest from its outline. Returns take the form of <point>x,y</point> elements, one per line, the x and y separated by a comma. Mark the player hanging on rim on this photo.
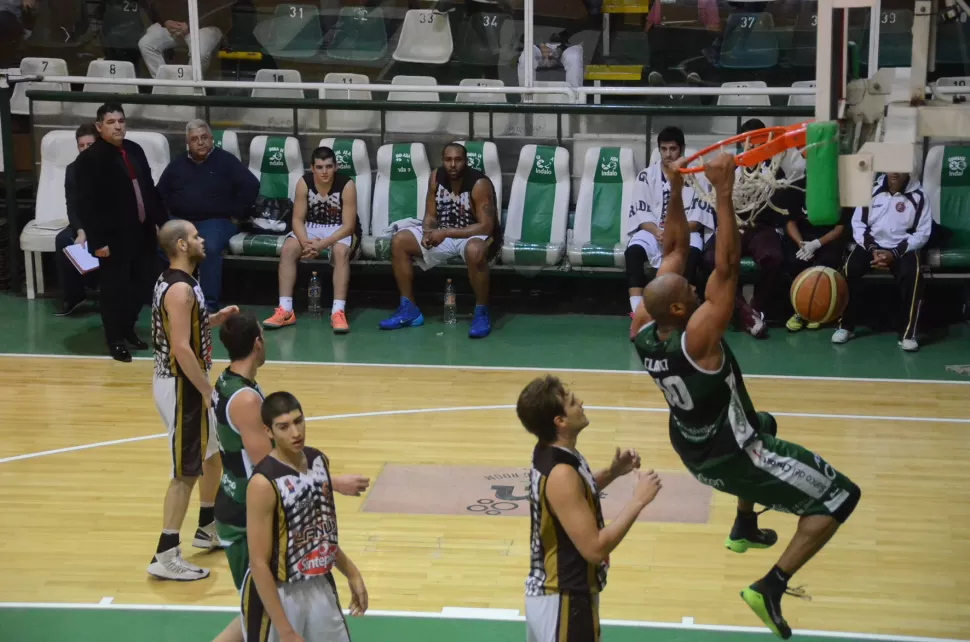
<point>243,443</point>
<point>714,427</point>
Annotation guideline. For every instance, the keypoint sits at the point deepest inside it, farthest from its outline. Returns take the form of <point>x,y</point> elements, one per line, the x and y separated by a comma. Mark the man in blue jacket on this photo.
<point>210,187</point>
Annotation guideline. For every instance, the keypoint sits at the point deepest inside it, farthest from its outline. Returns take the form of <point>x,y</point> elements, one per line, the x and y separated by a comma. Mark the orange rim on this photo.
<point>767,142</point>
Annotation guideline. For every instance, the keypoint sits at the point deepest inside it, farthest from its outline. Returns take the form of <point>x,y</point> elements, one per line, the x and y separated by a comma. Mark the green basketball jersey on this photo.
<point>230,506</point>
<point>711,415</point>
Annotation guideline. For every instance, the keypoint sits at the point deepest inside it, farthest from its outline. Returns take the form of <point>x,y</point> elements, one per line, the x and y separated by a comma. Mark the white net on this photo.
<point>753,186</point>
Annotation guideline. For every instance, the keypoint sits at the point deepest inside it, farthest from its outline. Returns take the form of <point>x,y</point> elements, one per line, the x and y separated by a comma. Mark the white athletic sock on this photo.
<point>286,302</point>
<point>338,306</point>
<point>635,302</point>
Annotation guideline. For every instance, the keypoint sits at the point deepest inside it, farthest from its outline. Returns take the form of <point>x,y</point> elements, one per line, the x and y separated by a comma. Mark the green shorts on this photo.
<point>782,476</point>
<point>236,546</point>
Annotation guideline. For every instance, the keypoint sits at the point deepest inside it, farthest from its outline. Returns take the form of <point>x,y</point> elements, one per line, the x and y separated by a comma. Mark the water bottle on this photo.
<point>313,296</point>
<point>451,309</point>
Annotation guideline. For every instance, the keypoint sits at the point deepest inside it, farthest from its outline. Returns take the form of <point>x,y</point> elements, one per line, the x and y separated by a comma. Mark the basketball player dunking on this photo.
<point>714,427</point>
<point>289,594</point>
<point>243,443</point>
<point>570,543</point>
<point>183,397</point>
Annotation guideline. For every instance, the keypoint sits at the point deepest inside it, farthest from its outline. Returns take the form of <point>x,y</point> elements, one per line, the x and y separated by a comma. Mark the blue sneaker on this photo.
<point>481,327</point>
<point>406,315</point>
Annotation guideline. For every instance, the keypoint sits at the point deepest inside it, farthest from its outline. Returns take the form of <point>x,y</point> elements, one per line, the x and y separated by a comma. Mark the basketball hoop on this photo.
<point>756,178</point>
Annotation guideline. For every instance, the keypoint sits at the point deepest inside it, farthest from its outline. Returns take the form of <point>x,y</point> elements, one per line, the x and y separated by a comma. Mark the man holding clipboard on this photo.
<point>69,274</point>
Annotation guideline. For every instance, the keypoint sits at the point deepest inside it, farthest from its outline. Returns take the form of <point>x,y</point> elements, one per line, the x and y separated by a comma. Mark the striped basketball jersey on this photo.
<point>711,414</point>
<point>237,468</point>
<point>455,210</point>
<point>305,519</point>
<point>556,564</point>
<point>200,337</point>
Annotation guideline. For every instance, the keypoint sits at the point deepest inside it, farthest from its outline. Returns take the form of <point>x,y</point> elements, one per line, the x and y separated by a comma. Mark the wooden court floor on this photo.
<point>81,524</point>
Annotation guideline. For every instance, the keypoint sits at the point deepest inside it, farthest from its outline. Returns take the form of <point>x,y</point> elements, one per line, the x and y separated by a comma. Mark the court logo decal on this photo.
<point>489,491</point>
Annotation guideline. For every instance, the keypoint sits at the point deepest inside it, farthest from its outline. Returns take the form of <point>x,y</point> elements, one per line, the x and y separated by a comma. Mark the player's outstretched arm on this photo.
<point>708,323</point>
<point>676,228</point>
<point>676,234</point>
<point>358,592</point>
<point>260,506</point>
<point>566,494</point>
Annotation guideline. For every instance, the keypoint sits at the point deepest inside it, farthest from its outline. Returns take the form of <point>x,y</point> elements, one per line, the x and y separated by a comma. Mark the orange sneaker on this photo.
<point>279,319</point>
<point>338,321</point>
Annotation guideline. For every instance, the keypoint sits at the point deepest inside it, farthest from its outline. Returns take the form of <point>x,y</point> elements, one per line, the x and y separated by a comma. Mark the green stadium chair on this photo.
<point>399,195</point>
<point>292,33</point>
<point>483,156</point>
<point>947,181</point>
<point>535,225</point>
<point>277,163</point>
<point>226,140</point>
<point>605,197</point>
<point>750,42</point>
<point>354,162</point>
<point>360,35</point>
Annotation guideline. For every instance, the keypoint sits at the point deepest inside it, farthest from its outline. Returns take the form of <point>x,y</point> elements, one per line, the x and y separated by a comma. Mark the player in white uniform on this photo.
<point>648,212</point>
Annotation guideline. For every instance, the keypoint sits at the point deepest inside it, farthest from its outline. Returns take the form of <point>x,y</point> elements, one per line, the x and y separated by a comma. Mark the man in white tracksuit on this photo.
<point>648,211</point>
<point>889,235</point>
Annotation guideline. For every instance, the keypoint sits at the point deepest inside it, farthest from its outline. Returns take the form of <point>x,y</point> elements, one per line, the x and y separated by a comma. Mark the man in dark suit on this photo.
<point>119,209</point>
<point>72,282</point>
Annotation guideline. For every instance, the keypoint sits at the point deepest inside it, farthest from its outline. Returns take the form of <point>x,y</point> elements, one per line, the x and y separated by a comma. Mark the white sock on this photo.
<point>286,302</point>
<point>635,302</point>
<point>338,306</point>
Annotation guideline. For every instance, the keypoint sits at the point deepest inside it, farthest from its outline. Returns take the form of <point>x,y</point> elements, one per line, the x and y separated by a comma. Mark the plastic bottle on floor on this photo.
<point>313,296</point>
<point>451,308</point>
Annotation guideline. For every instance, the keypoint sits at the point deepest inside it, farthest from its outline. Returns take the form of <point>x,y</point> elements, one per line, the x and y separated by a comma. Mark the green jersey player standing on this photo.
<point>714,427</point>
<point>243,443</point>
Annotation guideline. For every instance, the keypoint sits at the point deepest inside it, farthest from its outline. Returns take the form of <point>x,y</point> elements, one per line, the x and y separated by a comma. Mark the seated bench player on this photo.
<point>460,219</point>
<point>648,212</point>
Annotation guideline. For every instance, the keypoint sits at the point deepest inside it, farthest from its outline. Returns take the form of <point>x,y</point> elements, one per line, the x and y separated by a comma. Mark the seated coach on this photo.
<point>460,219</point>
<point>210,187</point>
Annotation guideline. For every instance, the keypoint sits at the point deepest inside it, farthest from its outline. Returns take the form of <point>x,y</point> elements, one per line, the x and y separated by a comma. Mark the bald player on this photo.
<point>714,427</point>
<point>183,396</point>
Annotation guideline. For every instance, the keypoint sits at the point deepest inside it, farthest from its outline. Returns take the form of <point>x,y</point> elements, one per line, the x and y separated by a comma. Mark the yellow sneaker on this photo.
<point>814,326</point>
<point>338,321</point>
<point>279,319</point>
<point>795,323</point>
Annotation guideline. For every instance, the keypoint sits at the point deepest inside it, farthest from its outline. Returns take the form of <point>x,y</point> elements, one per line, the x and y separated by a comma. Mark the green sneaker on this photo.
<point>795,323</point>
<point>763,538</point>
<point>767,606</point>
<point>814,326</point>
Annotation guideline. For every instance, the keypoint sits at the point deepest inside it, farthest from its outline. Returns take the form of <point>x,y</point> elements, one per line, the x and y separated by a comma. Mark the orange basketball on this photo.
<point>819,294</point>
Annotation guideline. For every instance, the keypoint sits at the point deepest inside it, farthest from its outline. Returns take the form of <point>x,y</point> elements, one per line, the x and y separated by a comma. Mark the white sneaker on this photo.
<point>841,336</point>
<point>169,565</point>
<point>909,345</point>
<point>206,538</point>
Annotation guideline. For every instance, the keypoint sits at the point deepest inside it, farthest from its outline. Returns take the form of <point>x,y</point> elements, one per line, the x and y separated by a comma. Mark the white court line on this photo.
<point>958,382</point>
<point>420,411</point>
<point>504,615</point>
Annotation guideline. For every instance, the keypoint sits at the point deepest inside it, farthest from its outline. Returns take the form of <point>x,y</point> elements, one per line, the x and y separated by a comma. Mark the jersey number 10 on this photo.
<point>675,391</point>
